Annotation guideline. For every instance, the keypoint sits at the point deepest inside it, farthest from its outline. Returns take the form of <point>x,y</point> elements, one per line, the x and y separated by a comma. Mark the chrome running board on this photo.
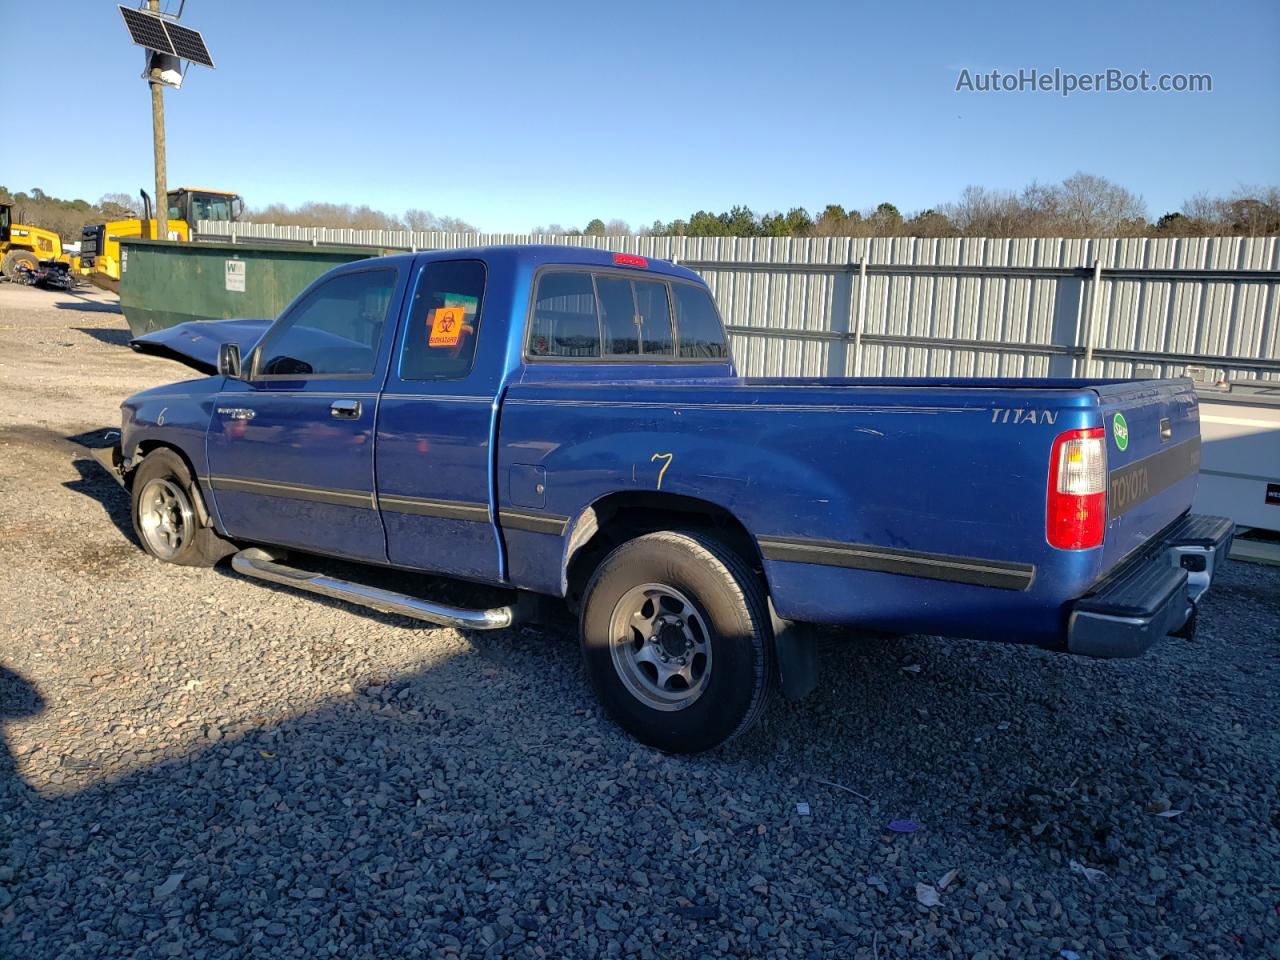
<point>258,563</point>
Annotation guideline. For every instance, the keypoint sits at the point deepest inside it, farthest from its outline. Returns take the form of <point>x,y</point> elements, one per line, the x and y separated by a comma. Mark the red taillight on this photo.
<point>1076,514</point>
<point>630,260</point>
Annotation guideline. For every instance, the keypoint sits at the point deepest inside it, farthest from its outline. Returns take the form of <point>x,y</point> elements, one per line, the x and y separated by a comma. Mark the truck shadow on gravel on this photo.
<point>19,699</point>
<point>108,335</point>
<point>96,484</point>
<point>89,306</point>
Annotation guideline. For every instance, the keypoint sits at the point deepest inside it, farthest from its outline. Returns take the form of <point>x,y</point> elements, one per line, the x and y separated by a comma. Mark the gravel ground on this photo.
<point>196,765</point>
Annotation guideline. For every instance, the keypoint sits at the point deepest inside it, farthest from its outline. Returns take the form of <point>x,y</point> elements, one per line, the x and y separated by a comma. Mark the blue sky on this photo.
<point>511,114</point>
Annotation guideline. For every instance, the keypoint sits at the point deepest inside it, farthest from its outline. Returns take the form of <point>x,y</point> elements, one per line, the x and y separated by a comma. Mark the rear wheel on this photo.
<point>164,514</point>
<point>677,641</point>
<point>16,262</point>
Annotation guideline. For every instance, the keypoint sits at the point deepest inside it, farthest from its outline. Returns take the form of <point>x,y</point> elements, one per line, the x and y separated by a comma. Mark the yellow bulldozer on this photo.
<point>27,252</point>
<point>100,243</point>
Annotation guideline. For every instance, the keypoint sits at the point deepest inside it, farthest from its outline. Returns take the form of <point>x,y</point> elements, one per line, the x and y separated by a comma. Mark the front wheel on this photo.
<point>16,263</point>
<point>677,641</point>
<point>164,514</point>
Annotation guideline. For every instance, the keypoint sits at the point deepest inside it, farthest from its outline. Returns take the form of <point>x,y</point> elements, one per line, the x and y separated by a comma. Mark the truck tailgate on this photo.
<point>1153,460</point>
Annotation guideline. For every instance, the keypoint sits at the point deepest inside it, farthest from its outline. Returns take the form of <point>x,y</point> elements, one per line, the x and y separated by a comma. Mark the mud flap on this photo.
<point>797,656</point>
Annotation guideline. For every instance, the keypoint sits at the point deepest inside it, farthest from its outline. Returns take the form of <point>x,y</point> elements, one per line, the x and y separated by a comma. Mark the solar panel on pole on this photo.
<point>148,31</point>
<point>188,44</point>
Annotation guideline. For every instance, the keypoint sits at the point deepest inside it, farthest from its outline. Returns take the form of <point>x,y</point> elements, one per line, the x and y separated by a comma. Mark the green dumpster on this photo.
<point>163,283</point>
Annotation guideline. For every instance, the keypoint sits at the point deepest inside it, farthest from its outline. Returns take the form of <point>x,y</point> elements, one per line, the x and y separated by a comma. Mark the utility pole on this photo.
<point>157,136</point>
<point>168,43</point>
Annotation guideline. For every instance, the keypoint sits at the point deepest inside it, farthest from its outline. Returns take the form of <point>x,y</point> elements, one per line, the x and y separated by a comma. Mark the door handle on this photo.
<point>345,409</point>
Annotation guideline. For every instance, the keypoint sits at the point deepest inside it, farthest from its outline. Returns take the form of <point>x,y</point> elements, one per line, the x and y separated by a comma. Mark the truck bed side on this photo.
<point>919,507</point>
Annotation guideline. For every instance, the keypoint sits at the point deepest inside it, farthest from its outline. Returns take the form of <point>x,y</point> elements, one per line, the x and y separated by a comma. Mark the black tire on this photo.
<point>14,260</point>
<point>163,475</point>
<point>730,599</point>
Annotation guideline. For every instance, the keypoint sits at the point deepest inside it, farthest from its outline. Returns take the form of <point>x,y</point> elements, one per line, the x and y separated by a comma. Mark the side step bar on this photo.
<point>258,563</point>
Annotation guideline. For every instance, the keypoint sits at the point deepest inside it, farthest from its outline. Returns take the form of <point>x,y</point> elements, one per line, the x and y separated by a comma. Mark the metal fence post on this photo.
<point>861,315</point>
<point>1095,301</point>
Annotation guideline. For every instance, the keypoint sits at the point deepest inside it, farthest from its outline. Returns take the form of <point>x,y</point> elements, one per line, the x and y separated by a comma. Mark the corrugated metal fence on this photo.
<point>950,307</point>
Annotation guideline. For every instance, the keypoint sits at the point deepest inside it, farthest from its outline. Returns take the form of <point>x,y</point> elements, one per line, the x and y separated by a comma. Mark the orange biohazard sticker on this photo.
<point>446,326</point>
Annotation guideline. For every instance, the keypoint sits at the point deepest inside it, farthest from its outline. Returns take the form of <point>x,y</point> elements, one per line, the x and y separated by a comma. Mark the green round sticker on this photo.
<point>1120,431</point>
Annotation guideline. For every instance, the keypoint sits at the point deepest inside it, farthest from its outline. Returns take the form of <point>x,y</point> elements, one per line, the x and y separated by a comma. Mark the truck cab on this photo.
<point>191,204</point>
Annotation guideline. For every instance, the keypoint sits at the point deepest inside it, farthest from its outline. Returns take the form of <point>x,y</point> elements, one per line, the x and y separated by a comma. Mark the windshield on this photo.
<point>208,206</point>
<point>4,223</point>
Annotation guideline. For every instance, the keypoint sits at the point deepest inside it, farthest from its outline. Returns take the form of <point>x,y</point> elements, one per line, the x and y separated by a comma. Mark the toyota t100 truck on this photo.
<point>569,423</point>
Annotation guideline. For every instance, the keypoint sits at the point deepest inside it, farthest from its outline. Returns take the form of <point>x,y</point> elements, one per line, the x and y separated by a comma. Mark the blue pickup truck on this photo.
<point>569,423</point>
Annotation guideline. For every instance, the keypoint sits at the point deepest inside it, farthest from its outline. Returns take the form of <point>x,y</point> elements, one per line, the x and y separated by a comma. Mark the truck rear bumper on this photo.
<point>1152,595</point>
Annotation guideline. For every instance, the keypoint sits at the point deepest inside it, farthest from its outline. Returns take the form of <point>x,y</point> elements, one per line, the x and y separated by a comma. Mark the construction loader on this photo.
<point>100,259</point>
<point>32,254</point>
<point>22,247</point>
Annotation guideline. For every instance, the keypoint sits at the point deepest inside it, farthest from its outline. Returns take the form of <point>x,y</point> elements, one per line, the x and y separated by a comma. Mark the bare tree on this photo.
<point>555,230</point>
<point>1083,205</point>
<point>119,206</point>
<point>1087,205</point>
<point>425,220</point>
<point>327,215</point>
<point>981,212</point>
<point>1248,211</point>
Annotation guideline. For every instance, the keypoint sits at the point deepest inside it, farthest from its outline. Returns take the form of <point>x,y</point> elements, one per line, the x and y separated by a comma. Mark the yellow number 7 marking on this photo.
<point>662,456</point>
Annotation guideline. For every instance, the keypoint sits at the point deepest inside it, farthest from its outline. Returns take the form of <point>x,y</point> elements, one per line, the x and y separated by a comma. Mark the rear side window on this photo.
<point>598,314</point>
<point>444,321</point>
<point>701,335</point>
<point>564,317</point>
<point>334,331</point>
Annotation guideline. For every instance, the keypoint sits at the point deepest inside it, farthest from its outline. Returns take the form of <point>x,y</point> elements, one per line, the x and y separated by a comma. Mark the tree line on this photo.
<point>355,218</point>
<point>35,208</point>
<point>1082,205</point>
<point>67,218</point>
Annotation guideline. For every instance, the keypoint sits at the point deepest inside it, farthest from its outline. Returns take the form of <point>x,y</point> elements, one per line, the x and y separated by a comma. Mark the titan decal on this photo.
<point>1018,415</point>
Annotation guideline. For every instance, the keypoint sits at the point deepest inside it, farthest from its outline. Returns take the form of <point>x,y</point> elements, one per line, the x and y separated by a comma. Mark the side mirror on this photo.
<point>229,360</point>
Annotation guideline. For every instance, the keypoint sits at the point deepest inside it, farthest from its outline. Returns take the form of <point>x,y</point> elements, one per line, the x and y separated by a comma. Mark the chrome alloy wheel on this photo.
<point>661,646</point>
<point>166,517</point>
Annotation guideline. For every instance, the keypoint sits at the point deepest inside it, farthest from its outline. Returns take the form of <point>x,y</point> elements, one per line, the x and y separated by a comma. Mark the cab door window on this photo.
<point>333,332</point>
<point>444,321</point>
